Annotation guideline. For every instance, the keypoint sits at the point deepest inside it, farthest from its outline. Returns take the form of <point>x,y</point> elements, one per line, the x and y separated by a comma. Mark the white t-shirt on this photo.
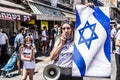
<point>28,64</point>
<point>118,38</point>
<point>65,56</point>
<point>44,36</point>
<point>113,32</point>
<point>35,35</point>
<point>3,38</point>
<point>19,38</point>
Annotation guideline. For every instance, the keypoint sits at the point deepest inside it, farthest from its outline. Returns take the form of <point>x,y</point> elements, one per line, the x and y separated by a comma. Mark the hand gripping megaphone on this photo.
<point>51,72</point>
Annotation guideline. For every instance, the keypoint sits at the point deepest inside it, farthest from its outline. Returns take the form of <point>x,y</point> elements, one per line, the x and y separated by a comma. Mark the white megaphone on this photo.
<point>51,72</point>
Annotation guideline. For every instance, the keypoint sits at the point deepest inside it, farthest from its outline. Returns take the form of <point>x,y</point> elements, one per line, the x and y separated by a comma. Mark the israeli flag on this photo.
<point>92,42</point>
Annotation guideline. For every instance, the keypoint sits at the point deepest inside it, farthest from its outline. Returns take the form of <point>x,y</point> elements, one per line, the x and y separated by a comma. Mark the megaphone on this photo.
<point>51,72</point>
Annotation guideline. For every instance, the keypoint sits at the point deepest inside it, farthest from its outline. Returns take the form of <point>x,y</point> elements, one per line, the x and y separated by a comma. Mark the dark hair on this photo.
<point>32,27</point>
<point>21,30</point>
<point>14,33</point>
<point>44,27</point>
<point>67,22</point>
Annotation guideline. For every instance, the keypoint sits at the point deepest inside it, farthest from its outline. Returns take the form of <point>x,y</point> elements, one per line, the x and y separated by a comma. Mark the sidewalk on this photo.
<point>43,61</point>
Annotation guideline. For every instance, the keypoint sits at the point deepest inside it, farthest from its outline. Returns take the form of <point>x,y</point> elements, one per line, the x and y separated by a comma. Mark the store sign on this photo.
<point>14,17</point>
<point>31,22</point>
<point>44,23</point>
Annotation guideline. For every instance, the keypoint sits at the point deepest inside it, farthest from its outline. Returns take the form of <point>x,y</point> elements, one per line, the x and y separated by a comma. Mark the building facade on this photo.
<point>11,15</point>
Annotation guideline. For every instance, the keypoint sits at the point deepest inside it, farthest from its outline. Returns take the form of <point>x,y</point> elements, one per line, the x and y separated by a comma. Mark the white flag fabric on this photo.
<point>92,42</point>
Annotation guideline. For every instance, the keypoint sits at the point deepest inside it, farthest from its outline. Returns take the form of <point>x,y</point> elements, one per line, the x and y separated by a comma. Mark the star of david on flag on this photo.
<point>92,42</point>
<point>93,35</point>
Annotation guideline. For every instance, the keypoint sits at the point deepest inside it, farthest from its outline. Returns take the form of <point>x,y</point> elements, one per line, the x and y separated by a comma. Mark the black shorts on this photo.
<point>43,43</point>
<point>66,74</point>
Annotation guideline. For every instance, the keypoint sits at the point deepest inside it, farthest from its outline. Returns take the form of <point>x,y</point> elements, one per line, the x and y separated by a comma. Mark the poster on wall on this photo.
<point>31,22</point>
<point>44,23</point>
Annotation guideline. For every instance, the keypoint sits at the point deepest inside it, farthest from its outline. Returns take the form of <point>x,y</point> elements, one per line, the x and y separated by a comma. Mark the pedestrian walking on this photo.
<point>44,39</point>
<point>54,35</point>
<point>4,45</point>
<point>114,31</point>
<point>117,54</point>
<point>19,40</point>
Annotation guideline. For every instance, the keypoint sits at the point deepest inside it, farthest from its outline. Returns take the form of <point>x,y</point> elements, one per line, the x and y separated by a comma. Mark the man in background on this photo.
<point>4,44</point>
<point>19,40</point>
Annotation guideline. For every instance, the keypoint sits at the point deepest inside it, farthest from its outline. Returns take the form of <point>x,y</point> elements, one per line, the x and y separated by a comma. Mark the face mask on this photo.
<point>27,45</point>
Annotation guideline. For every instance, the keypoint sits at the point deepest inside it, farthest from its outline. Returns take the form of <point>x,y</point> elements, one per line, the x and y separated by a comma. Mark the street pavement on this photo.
<point>42,61</point>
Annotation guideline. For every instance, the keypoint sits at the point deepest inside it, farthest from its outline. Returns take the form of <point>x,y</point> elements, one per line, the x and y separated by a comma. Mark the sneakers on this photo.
<point>3,74</point>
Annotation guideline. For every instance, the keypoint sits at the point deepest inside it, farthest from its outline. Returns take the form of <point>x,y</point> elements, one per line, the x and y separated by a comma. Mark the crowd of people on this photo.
<point>24,43</point>
<point>61,48</point>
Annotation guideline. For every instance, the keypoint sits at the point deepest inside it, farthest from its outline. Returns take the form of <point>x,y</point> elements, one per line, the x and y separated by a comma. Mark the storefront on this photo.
<point>49,14</point>
<point>10,19</point>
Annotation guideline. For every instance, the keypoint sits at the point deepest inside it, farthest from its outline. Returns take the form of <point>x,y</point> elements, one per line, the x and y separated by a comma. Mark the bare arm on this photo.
<point>56,50</point>
<point>8,45</point>
<point>117,42</point>
<point>32,54</point>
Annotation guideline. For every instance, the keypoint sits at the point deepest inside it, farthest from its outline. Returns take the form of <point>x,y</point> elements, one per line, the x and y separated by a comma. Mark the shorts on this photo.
<point>66,74</point>
<point>29,64</point>
<point>43,43</point>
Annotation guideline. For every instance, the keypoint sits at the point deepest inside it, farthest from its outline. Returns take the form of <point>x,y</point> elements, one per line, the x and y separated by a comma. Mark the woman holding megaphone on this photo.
<point>63,51</point>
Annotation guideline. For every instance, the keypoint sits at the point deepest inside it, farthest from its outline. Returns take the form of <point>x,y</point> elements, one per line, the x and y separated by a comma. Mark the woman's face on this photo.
<point>66,29</point>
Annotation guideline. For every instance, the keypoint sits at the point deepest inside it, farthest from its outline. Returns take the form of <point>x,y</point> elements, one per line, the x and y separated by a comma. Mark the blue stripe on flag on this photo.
<point>78,21</point>
<point>78,59</point>
<point>104,21</point>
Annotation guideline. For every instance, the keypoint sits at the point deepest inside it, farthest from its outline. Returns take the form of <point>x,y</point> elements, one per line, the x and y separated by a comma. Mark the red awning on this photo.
<point>14,14</point>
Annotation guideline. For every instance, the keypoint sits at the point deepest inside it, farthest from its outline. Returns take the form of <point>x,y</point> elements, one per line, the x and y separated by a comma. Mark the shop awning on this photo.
<point>71,17</point>
<point>47,17</point>
<point>14,14</point>
<point>46,13</point>
<point>11,4</point>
